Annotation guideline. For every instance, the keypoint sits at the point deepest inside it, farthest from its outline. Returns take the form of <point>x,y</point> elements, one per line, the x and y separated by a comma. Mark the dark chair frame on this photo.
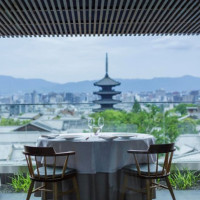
<point>32,154</point>
<point>165,150</point>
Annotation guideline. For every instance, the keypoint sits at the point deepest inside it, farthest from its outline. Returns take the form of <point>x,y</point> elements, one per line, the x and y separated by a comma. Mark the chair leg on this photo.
<point>75,185</point>
<point>148,190</point>
<point>55,191</point>
<point>170,188</point>
<point>124,187</point>
<point>44,193</point>
<point>30,190</point>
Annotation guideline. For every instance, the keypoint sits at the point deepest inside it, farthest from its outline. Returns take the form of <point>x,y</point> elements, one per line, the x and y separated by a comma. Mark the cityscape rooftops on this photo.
<point>30,116</point>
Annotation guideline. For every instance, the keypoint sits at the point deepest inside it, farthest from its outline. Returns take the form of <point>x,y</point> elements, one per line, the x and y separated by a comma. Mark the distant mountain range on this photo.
<point>10,85</point>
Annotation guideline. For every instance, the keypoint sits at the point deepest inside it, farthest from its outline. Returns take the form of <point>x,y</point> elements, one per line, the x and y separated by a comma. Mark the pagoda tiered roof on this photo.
<point>105,101</point>
<point>107,81</point>
<point>107,92</point>
<point>103,109</point>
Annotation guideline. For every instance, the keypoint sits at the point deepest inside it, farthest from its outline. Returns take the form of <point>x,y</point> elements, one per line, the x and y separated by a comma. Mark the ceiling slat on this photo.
<point>95,17</point>
<point>51,17</point>
<point>117,17</point>
<point>179,18</point>
<point>133,17</point>
<point>8,28</point>
<point>18,18</point>
<point>111,18</point>
<point>123,15</point>
<point>106,17</point>
<point>192,29</point>
<point>36,32</point>
<point>138,18</point>
<point>192,16</point>
<point>32,33</point>
<point>90,17</point>
<point>158,16</point>
<point>40,17</point>
<point>101,15</point>
<point>144,20</point>
<point>84,18</point>
<point>56,17</point>
<point>9,16</point>
<point>151,19</point>
<point>17,32</point>
<point>79,16</point>
<point>193,20</point>
<point>35,18</point>
<point>172,15</point>
<point>46,19</point>
<point>67,16</point>
<point>168,12</point>
<point>128,17</point>
<point>73,17</point>
<point>4,32</point>
<point>62,17</point>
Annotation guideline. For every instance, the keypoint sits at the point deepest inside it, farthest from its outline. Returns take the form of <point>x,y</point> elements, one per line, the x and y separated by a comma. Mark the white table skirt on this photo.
<point>98,163</point>
<point>98,155</point>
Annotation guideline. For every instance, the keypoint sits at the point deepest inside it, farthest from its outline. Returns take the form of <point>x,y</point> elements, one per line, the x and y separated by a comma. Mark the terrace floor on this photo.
<point>161,195</point>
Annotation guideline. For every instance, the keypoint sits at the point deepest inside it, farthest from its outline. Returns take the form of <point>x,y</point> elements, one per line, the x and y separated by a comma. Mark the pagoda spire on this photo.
<point>106,64</point>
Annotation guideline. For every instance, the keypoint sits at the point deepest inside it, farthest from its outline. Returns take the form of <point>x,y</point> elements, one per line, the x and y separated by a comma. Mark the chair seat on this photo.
<point>143,169</point>
<point>50,171</point>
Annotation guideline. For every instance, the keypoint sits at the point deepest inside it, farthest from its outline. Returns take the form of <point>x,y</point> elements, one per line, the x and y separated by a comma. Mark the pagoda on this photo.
<point>106,91</point>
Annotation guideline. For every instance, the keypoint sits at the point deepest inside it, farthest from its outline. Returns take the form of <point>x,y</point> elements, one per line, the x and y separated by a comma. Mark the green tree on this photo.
<point>181,108</point>
<point>136,107</point>
<point>163,126</point>
<point>171,128</point>
<point>187,126</point>
<point>12,122</point>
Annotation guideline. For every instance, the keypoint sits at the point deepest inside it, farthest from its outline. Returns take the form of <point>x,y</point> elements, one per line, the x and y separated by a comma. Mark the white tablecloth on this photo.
<point>98,163</point>
<point>98,155</point>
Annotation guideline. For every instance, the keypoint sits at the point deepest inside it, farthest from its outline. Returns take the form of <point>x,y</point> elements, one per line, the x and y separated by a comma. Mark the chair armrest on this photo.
<point>26,153</point>
<point>65,153</point>
<point>138,151</point>
<point>174,149</point>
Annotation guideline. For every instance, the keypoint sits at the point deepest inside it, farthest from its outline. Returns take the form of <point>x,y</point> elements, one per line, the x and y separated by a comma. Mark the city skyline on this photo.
<point>83,58</point>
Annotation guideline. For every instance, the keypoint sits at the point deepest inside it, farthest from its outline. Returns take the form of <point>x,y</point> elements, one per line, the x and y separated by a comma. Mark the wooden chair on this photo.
<point>150,171</point>
<point>49,173</point>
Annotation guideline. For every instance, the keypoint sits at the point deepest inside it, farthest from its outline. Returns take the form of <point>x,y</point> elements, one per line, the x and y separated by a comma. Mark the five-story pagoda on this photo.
<point>106,92</point>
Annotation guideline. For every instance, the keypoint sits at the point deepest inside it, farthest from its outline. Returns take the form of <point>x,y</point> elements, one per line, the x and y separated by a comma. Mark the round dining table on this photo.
<point>99,161</point>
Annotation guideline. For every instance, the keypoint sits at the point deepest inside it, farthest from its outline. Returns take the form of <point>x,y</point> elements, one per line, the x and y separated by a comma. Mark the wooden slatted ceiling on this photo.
<point>22,18</point>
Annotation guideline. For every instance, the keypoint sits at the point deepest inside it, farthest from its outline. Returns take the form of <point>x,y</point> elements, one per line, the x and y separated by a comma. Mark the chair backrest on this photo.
<point>158,151</point>
<point>39,151</point>
<point>38,155</point>
<point>161,148</point>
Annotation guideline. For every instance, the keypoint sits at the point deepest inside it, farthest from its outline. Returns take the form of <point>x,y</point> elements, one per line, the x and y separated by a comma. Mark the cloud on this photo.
<point>83,58</point>
<point>175,43</point>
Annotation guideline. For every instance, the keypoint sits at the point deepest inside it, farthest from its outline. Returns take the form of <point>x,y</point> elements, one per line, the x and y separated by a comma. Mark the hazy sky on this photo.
<point>83,58</point>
